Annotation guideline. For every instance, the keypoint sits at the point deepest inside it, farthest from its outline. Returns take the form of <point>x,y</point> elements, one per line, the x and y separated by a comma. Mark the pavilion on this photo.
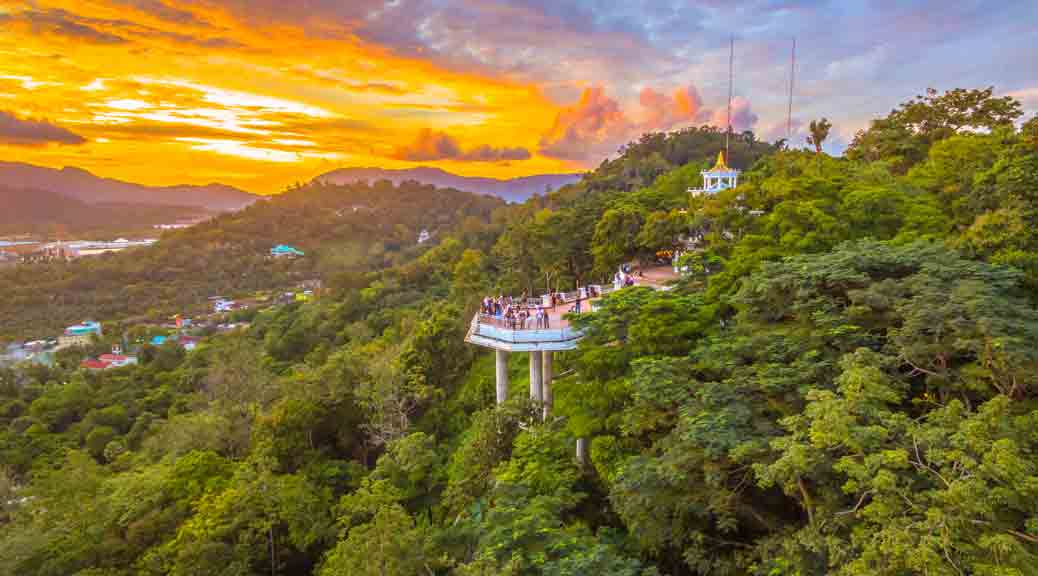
<point>718,178</point>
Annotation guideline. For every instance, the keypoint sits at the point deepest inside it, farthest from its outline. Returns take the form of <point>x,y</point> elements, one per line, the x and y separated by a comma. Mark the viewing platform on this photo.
<point>541,337</point>
<point>509,336</point>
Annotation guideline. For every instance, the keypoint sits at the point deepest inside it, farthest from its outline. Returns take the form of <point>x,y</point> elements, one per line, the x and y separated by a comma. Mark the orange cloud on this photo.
<point>595,125</point>
<point>431,145</point>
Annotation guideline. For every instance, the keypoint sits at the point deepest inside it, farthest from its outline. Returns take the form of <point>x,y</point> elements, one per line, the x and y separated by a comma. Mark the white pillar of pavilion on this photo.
<point>582,449</point>
<point>536,374</point>
<point>546,375</point>
<point>502,376</point>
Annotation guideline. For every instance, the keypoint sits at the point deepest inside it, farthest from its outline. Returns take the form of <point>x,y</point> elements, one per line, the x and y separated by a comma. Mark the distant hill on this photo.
<point>228,254</point>
<point>83,186</point>
<point>513,190</point>
<point>27,211</point>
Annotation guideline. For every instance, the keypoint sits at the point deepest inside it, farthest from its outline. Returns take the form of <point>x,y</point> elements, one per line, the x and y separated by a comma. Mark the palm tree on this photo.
<point>819,132</point>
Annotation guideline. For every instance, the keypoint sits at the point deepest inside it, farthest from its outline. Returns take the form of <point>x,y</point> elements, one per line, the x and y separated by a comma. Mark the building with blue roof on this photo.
<point>79,334</point>
<point>283,251</point>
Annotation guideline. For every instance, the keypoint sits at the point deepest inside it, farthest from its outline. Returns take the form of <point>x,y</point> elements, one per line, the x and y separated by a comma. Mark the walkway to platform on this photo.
<point>658,277</point>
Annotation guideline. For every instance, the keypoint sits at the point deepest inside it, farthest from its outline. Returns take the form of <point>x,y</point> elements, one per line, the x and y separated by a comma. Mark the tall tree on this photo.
<point>905,135</point>
<point>819,133</point>
<point>936,116</point>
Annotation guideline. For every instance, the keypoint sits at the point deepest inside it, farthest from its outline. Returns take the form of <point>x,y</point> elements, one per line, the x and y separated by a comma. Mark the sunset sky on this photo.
<point>263,93</point>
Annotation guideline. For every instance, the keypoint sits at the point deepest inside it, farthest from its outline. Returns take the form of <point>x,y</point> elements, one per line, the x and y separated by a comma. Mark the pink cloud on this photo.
<point>662,113</point>
<point>596,126</point>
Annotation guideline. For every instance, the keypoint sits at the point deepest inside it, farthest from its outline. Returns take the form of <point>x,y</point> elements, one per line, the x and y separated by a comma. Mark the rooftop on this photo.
<point>721,167</point>
<point>285,249</point>
<point>87,327</point>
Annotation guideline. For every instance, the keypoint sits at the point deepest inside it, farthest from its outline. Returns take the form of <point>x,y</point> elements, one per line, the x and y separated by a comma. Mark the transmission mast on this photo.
<point>792,79</point>
<point>728,132</point>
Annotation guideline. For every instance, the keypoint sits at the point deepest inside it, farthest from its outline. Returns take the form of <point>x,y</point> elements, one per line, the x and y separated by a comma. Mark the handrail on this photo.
<point>508,323</point>
<point>584,293</point>
<point>506,333</point>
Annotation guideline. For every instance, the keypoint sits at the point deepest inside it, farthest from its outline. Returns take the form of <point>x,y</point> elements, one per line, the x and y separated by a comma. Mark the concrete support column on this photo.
<point>535,377</point>
<point>502,376</point>
<point>546,374</point>
<point>582,451</point>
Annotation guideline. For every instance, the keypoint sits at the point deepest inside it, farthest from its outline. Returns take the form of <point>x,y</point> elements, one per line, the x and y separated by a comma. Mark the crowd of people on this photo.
<point>517,313</point>
<point>524,314</point>
<point>623,279</point>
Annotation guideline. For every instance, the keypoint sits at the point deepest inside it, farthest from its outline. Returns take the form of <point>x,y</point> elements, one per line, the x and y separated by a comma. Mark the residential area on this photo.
<point>124,341</point>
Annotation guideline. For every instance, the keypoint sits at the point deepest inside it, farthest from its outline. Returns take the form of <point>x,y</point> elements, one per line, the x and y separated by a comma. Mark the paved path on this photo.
<point>656,277</point>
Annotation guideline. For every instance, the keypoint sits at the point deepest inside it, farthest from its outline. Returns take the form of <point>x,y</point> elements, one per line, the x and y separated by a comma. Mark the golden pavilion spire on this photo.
<point>721,166</point>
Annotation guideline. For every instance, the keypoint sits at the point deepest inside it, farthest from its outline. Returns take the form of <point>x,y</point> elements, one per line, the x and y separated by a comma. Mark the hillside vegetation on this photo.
<point>345,231</point>
<point>844,383</point>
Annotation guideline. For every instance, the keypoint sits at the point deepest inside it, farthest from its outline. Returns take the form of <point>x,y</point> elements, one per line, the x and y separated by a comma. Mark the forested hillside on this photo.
<point>345,231</point>
<point>49,214</point>
<point>844,383</point>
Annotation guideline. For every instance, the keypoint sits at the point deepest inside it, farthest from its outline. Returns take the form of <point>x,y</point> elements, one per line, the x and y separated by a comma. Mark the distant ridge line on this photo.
<point>512,189</point>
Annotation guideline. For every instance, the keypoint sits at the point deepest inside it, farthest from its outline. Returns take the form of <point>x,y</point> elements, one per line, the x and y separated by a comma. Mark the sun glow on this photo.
<point>266,103</point>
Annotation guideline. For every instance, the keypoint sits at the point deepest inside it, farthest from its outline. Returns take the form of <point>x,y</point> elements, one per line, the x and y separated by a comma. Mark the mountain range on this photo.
<point>36,198</point>
<point>511,190</point>
<point>85,187</point>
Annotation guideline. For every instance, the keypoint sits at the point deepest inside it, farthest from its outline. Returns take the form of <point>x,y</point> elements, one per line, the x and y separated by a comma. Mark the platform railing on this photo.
<point>501,330</point>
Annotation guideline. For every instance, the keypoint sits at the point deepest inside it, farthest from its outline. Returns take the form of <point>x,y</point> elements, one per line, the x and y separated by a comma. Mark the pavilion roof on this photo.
<point>721,167</point>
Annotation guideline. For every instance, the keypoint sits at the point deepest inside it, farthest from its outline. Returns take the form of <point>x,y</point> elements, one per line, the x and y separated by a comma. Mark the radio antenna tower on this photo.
<point>792,79</point>
<point>728,132</point>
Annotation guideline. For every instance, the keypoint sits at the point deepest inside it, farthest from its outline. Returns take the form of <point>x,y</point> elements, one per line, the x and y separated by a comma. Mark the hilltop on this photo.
<point>511,190</point>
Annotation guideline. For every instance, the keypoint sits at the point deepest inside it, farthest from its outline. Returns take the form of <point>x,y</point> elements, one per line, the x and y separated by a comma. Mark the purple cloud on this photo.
<point>743,116</point>
<point>431,145</point>
<point>62,23</point>
<point>17,131</point>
